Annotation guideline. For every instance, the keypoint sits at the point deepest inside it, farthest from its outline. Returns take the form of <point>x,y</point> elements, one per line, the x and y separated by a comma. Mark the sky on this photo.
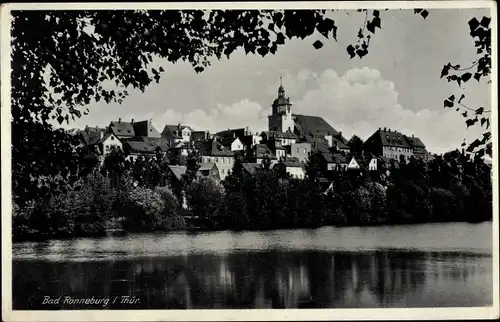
<point>396,85</point>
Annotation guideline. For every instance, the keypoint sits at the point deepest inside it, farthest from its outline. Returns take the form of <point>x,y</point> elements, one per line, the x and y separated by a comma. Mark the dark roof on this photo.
<point>229,133</point>
<point>105,137</point>
<point>251,167</point>
<point>281,100</point>
<point>414,141</point>
<point>214,148</point>
<point>335,158</point>
<point>390,138</point>
<point>206,166</point>
<point>156,142</point>
<point>261,150</point>
<point>318,144</point>
<point>340,144</point>
<point>169,128</point>
<point>279,135</point>
<point>314,125</point>
<point>178,170</point>
<point>227,141</point>
<point>120,128</point>
<point>89,137</point>
<point>136,146</point>
<point>145,128</point>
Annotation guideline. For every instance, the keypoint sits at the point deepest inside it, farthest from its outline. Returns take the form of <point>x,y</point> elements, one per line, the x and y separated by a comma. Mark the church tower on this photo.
<point>281,118</point>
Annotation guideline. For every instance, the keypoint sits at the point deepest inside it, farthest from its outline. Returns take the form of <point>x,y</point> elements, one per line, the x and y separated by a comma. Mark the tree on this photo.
<point>356,144</point>
<point>119,51</point>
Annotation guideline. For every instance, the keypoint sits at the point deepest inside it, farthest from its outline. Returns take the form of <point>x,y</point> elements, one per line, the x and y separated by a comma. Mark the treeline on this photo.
<point>141,196</point>
<point>450,188</point>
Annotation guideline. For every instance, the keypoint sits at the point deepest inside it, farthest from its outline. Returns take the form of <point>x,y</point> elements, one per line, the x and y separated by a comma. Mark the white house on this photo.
<point>372,165</point>
<point>110,142</point>
<point>236,145</point>
<point>353,164</point>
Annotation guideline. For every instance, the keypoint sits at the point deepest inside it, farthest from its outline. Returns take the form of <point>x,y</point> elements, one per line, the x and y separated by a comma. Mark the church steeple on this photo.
<point>281,89</point>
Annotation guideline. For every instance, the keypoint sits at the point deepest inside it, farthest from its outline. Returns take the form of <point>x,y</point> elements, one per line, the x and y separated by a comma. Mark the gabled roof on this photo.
<point>156,142</point>
<point>318,144</point>
<point>178,170</point>
<point>335,158</point>
<point>390,138</point>
<point>136,146</point>
<point>120,128</point>
<point>206,166</point>
<point>105,137</point>
<point>261,150</point>
<point>89,137</point>
<point>145,128</point>
<point>231,133</point>
<point>177,127</point>
<point>414,141</point>
<point>314,125</point>
<point>214,148</point>
<point>340,144</point>
<point>279,135</point>
<point>227,141</point>
<point>251,168</point>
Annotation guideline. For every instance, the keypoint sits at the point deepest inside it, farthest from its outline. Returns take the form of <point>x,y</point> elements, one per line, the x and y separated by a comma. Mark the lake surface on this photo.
<point>432,265</point>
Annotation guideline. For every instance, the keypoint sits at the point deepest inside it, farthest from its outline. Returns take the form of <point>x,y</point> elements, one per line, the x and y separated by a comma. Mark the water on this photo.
<point>432,265</point>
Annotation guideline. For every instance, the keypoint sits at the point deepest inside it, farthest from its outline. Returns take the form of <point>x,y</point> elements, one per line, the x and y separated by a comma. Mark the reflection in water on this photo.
<point>270,279</point>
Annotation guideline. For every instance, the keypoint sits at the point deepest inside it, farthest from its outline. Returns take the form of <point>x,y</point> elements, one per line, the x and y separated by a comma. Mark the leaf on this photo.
<point>417,11</point>
<point>479,111</point>
<point>263,50</point>
<point>60,119</point>
<point>280,39</point>
<point>448,103</point>
<point>199,69</point>
<point>464,114</point>
<point>161,69</point>
<point>470,122</point>
<point>483,120</point>
<point>361,52</point>
<point>477,76</point>
<point>376,22</point>
<point>466,77</point>
<point>424,13</point>
<point>485,22</point>
<point>370,26</point>
<point>360,33</point>
<point>461,98</point>
<point>351,51</point>
<point>473,24</point>
<point>318,44</point>
<point>452,98</point>
<point>445,70</point>
<point>376,13</point>
<point>463,144</point>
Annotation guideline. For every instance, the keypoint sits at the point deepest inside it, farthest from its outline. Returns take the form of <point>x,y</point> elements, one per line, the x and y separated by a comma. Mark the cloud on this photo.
<point>244,113</point>
<point>361,101</point>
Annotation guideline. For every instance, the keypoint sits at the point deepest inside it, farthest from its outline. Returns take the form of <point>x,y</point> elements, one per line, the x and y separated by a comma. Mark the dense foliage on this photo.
<point>59,190</point>
<point>63,60</point>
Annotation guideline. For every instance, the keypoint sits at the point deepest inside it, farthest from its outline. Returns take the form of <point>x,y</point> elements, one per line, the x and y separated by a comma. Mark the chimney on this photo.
<point>412,136</point>
<point>102,134</point>
<point>179,126</point>
<point>385,129</point>
<point>246,130</point>
<point>119,120</point>
<point>132,121</point>
<point>234,135</point>
<point>340,133</point>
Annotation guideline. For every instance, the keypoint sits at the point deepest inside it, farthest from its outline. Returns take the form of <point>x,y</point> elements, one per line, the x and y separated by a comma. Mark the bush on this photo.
<point>143,210</point>
<point>171,211</point>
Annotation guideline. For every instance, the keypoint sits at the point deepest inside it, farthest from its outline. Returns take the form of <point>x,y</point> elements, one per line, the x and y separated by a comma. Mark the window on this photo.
<point>112,138</point>
<point>297,150</point>
<point>305,151</point>
<point>222,160</point>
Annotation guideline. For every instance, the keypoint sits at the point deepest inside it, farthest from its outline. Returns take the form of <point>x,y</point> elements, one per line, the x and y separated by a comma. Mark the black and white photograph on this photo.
<point>249,161</point>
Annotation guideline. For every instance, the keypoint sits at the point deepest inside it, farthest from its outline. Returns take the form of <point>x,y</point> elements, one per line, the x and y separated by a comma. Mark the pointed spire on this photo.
<point>281,89</point>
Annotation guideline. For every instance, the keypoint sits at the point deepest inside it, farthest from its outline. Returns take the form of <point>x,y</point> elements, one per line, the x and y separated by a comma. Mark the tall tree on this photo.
<point>83,51</point>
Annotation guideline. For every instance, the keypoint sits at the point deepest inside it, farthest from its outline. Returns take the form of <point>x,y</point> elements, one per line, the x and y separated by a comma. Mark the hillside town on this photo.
<point>290,141</point>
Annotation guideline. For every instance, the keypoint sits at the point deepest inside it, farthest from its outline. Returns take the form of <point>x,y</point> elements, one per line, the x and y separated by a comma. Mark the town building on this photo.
<point>209,170</point>
<point>394,145</point>
<point>260,152</point>
<point>293,168</point>
<point>177,133</point>
<point>301,151</point>
<point>212,151</point>
<point>292,128</point>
